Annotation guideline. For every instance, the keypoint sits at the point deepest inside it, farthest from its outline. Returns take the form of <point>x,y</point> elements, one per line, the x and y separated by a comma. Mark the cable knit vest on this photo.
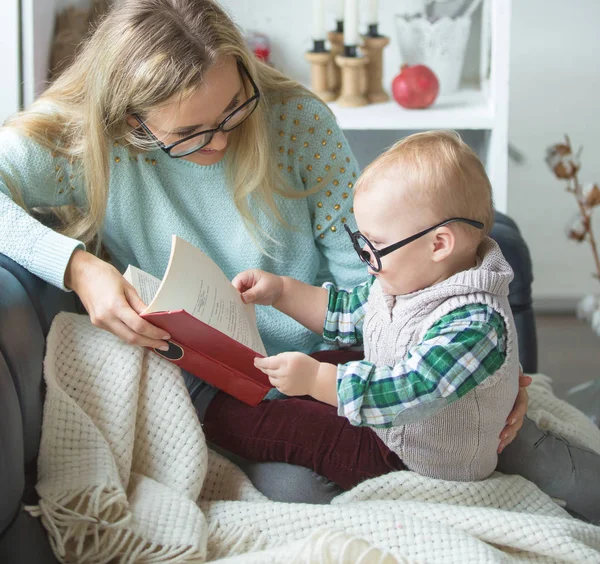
<point>458,442</point>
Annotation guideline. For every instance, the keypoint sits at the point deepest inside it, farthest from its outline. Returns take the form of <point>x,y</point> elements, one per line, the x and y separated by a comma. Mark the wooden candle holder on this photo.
<point>353,71</point>
<point>373,48</point>
<point>334,75</point>
<point>319,70</point>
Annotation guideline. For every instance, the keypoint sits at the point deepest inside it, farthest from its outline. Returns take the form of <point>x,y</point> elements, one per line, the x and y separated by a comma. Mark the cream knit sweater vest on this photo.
<point>459,442</point>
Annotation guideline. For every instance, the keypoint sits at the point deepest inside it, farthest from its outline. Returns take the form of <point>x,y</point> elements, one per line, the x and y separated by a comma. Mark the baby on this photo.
<point>440,373</point>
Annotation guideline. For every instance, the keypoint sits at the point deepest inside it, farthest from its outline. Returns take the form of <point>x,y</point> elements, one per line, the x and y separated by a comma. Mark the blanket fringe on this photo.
<point>233,540</point>
<point>94,526</point>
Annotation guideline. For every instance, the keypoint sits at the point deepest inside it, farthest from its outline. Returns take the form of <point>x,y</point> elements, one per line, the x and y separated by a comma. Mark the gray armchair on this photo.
<point>27,307</point>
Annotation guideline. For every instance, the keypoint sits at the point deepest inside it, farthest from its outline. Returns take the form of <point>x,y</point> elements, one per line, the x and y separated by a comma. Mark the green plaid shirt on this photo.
<point>457,353</point>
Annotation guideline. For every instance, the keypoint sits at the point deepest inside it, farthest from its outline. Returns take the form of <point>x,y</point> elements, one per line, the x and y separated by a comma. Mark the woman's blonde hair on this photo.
<point>143,53</point>
<point>444,174</point>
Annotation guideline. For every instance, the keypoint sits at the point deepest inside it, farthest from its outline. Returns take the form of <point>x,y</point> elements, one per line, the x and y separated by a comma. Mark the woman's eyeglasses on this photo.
<point>197,141</point>
<point>372,256</point>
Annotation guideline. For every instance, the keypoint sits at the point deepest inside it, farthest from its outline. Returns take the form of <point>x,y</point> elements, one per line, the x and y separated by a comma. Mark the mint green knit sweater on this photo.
<point>153,196</point>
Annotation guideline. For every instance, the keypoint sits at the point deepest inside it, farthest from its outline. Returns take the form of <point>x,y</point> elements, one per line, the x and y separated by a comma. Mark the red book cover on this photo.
<point>212,356</point>
<point>214,335</point>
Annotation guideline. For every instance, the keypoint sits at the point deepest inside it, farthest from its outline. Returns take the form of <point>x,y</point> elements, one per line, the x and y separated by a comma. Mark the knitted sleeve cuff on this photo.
<point>51,257</point>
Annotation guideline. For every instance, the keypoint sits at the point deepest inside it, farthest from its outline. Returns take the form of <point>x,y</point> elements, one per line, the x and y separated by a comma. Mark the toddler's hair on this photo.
<point>444,174</point>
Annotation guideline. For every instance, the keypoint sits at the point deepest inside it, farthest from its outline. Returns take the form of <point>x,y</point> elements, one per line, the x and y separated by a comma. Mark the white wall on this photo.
<point>9,63</point>
<point>555,89</point>
<point>38,31</point>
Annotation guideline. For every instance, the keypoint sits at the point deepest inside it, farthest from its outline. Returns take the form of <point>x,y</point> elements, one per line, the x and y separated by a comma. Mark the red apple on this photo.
<point>415,87</point>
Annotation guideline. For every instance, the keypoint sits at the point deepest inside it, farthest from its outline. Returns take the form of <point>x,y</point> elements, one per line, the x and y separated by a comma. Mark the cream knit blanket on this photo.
<point>125,476</point>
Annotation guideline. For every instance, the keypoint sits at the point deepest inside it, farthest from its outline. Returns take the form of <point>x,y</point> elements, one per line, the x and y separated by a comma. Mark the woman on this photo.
<point>165,123</point>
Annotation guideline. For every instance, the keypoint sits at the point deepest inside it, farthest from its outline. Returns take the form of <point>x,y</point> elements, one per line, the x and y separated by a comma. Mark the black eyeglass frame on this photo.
<point>168,148</point>
<point>365,256</point>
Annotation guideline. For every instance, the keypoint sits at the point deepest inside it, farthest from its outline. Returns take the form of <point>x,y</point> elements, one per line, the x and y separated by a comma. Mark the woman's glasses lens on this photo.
<point>240,115</point>
<point>196,143</point>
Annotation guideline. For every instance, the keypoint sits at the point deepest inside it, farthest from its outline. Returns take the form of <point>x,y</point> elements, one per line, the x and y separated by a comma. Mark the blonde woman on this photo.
<point>165,123</point>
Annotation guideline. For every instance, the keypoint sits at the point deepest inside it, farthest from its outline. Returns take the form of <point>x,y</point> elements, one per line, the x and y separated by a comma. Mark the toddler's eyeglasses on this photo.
<point>197,141</point>
<point>372,256</point>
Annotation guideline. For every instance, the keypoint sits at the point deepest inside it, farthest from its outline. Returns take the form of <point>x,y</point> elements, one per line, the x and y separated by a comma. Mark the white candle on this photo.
<point>339,10</point>
<point>318,28</point>
<point>372,12</point>
<point>351,22</point>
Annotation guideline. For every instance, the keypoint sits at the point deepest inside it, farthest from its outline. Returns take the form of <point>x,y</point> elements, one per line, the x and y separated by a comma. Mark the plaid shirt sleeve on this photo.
<point>457,353</point>
<point>345,314</point>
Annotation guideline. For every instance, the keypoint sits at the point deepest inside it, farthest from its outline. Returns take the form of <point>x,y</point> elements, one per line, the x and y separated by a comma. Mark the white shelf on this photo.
<point>465,109</point>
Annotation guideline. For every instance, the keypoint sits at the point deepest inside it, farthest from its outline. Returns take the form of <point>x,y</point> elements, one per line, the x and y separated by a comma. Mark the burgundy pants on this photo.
<point>300,431</point>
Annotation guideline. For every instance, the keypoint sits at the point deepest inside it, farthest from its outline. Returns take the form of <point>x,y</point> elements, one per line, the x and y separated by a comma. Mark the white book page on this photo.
<point>195,283</point>
<point>145,284</point>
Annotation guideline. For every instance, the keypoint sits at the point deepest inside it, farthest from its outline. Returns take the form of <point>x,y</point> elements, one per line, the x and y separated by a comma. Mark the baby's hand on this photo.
<point>258,287</point>
<point>292,373</point>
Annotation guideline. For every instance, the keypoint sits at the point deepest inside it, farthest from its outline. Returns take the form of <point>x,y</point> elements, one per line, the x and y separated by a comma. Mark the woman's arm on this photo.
<point>41,181</point>
<point>317,150</point>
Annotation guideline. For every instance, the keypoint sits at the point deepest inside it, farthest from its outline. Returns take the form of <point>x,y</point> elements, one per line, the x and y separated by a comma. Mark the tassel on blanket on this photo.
<point>95,526</point>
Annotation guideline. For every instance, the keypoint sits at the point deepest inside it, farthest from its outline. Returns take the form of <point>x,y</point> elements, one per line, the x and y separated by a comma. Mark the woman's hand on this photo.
<point>258,287</point>
<point>111,301</point>
<point>516,416</point>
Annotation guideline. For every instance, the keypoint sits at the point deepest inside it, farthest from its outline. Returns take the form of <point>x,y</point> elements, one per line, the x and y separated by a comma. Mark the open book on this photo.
<point>213,333</point>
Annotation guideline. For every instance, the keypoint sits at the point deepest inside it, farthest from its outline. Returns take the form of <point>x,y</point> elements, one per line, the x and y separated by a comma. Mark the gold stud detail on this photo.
<point>333,156</point>
<point>154,162</point>
<point>116,143</point>
<point>281,149</point>
<point>289,168</point>
<point>354,175</point>
<point>322,235</point>
<point>293,137</point>
<point>147,159</point>
<point>328,193</point>
<point>336,207</point>
<point>323,142</point>
<point>300,158</point>
<point>300,107</point>
<point>309,167</point>
<point>333,228</point>
<point>281,133</point>
<point>351,210</point>
<point>317,156</point>
<point>347,159</point>
<point>117,159</point>
<point>72,187</point>
<point>280,165</point>
<point>350,185</point>
<point>57,168</point>
<point>339,145</point>
<point>342,170</point>
<point>345,195</point>
<point>329,132</point>
<point>61,190</point>
<point>319,179</point>
<point>319,227</point>
<point>319,204</point>
<point>327,167</point>
<point>306,144</point>
<point>60,179</point>
<point>336,182</point>
<point>282,117</point>
<point>311,130</point>
<point>343,220</point>
<point>290,151</point>
<point>317,118</point>
<point>296,122</point>
<point>303,180</point>
<point>328,218</point>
